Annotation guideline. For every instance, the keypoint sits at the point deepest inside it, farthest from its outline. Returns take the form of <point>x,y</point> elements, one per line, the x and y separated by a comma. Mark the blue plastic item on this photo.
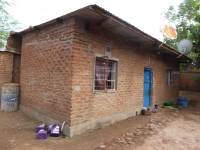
<point>54,130</point>
<point>183,102</point>
<point>39,127</point>
<point>42,134</point>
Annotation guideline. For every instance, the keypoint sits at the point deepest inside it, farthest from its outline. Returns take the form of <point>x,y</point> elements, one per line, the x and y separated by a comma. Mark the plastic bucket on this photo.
<point>183,102</point>
<point>9,97</point>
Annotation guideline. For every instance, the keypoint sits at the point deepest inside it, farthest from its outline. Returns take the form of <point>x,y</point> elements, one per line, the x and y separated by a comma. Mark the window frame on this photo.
<point>116,76</point>
<point>169,77</point>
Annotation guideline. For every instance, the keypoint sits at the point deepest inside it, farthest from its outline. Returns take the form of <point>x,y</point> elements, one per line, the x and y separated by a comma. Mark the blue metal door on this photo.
<point>147,86</point>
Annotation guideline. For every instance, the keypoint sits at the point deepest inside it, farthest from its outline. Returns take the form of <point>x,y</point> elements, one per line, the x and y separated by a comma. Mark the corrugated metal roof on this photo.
<point>9,51</point>
<point>113,24</point>
<point>2,49</point>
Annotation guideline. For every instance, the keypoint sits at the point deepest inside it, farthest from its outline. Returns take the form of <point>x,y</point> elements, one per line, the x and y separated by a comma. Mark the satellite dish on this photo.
<point>169,32</point>
<point>184,46</point>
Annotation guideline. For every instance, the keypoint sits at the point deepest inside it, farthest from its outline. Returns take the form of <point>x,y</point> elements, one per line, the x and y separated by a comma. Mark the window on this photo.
<point>105,74</point>
<point>169,77</point>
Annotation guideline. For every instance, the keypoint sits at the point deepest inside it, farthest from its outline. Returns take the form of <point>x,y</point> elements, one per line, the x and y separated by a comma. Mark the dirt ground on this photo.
<point>168,129</point>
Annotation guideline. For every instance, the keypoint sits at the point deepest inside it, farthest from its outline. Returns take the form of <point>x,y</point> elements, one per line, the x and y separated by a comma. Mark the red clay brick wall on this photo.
<point>46,70</point>
<point>6,67</point>
<point>14,47</point>
<point>87,104</point>
<point>16,68</point>
<point>190,81</point>
<point>14,43</point>
<point>57,72</point>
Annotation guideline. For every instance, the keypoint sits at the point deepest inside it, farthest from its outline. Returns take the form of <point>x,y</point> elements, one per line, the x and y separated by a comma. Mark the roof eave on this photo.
<point>105,13</point>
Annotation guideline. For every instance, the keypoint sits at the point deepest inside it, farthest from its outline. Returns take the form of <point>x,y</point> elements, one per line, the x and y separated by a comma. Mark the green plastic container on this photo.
<point>168,103</point>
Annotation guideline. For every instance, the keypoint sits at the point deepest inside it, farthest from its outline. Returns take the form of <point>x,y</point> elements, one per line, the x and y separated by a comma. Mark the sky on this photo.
<point>147,15</point>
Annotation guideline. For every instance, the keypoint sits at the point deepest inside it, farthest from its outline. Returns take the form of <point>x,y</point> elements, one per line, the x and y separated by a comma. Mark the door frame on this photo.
<point>151,86</point>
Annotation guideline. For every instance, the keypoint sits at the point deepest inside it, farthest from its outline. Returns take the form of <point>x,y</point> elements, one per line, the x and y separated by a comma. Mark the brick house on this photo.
<point>90,69</point>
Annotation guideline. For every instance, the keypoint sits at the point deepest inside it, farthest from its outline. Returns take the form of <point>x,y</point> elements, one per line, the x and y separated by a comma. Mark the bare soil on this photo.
<point>168,129</point>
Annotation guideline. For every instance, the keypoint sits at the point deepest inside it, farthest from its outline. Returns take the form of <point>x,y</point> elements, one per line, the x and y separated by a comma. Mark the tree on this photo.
<point>6,22</point>
<point>187,19</point>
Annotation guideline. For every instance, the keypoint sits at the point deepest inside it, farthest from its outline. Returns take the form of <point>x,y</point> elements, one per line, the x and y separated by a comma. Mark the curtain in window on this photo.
<point>100,74</point>
<point>105,74</point>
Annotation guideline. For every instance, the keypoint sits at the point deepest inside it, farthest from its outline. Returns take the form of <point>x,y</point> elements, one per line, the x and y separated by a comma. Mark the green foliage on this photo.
<point>6,22</point>
<point>187,20</point>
